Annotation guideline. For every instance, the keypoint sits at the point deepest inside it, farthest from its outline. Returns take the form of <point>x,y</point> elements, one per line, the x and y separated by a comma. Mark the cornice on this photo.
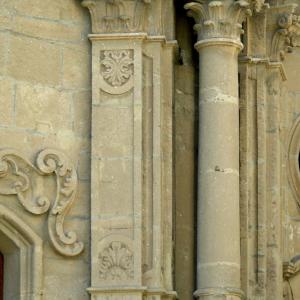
<point>221,19</point>
<point>114,16</point>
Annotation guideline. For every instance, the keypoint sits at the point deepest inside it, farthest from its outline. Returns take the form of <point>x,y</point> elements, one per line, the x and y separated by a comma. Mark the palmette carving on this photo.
<point>117,67</point>
<point>116,262</point>
<point>17,178</point>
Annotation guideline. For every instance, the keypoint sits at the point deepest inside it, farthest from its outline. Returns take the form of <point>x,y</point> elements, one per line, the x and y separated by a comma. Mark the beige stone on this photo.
<point>133,169</point>
<point>40,61</point>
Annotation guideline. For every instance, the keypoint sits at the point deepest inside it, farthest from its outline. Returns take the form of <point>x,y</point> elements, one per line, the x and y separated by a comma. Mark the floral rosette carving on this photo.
<point>18,176</point>
<point>116,262</point>
<point>117,67</point>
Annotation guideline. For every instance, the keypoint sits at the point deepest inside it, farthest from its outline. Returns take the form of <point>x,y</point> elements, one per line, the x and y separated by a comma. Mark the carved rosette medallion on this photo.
<point>20,177</point>
<point>116,66</point>
<point>116,262</point>
<point>110,16</point>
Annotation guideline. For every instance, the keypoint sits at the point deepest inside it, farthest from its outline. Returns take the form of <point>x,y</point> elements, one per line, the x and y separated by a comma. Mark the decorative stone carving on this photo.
<point>17,178</point>
<point>283,39</point>
<point>290,269</point>
<point>213,19</point>
<point>118,15</point>
<point>117,66</point>
<point>116,262</point>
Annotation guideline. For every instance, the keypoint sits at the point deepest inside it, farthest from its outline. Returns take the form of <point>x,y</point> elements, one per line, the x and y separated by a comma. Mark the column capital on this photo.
<point>113,16</point>
<point>221,19</point>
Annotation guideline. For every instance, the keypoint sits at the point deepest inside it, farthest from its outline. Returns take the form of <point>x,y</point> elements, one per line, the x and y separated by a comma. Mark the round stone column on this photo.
<point>218,236</point>
<point>218,228</point>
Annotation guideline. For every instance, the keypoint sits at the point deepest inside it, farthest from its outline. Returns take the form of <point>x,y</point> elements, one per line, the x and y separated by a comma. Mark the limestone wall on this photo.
<point>45,103</point>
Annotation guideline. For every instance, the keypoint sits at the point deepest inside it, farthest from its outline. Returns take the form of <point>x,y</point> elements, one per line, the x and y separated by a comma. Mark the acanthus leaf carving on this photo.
<point>16,178</point>
<point>116,262</point>
<point>216,20</point>
<point>118,15</point>
<point>117,67</point>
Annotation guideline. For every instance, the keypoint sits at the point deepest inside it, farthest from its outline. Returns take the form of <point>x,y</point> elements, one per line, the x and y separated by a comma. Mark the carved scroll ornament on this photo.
<point>20,177</point>
<point>284,38</point>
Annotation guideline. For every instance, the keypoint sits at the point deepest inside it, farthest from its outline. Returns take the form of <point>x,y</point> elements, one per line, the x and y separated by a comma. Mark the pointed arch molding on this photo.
<point>30,249</point>
<point>38,194</point>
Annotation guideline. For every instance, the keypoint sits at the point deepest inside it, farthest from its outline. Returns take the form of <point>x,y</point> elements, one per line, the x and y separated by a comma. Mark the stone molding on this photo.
<point>293,161</point>
<point>31,248</point>
<point>118,15</point>
<point>16,179</point>
<point>215,19</point>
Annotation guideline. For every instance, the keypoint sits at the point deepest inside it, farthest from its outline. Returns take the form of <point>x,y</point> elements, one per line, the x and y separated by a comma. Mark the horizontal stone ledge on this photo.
<point>133,290</point>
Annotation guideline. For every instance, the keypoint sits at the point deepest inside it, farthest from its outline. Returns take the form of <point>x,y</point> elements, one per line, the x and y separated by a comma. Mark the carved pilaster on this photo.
<point>131,227</point>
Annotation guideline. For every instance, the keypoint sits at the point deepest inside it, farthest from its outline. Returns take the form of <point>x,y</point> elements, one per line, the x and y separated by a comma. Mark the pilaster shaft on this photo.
<point>218,264</point>
<point>131,228</point>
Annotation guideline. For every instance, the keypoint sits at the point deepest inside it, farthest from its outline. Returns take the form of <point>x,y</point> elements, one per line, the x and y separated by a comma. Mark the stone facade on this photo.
<point>150,149</point>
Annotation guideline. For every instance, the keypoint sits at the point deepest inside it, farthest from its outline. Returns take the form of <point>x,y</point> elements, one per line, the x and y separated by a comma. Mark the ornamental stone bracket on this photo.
<point>19,177</point>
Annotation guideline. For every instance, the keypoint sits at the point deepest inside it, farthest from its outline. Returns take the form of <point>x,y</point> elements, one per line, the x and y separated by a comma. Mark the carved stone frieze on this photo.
<point>116,262</point>
<point>18,176</point>
<point>110,16</point>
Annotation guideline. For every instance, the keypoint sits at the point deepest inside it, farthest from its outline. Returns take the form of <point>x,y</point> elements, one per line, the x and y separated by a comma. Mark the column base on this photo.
<point>219,294</point>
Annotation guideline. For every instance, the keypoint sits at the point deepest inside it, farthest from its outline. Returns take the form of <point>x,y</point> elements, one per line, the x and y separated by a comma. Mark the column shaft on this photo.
<point>218,264</point>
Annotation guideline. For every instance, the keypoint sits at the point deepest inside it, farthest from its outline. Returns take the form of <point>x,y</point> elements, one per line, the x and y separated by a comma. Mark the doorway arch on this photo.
<point>22,252</point>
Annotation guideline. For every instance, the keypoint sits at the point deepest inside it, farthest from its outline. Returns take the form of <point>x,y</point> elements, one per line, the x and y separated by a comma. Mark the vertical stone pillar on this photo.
<point>131,186</point>
<point>218,264</point>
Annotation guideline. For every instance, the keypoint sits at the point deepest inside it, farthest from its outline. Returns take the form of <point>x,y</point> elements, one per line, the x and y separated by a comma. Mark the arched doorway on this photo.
<point>21,263</point>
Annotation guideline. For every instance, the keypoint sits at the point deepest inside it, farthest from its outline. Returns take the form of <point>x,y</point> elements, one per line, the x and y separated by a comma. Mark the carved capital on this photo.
<point>113,16</point>
<point>218,19</point>
<point>288,28</point>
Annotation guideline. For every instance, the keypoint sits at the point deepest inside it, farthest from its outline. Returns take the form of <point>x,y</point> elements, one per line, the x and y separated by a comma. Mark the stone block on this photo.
<point>40,61</point>
<point>46,29</point>
<point>6,102</point>
<point>42,109</point>
<point>76,67</point>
